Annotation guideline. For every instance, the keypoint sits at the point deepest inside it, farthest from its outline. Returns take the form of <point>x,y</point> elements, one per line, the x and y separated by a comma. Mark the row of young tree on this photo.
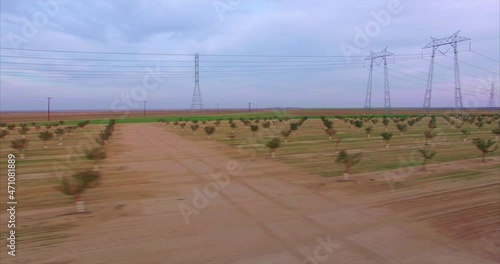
<point>51,130</point>
<point>74,184</point>
<point>402,123</point>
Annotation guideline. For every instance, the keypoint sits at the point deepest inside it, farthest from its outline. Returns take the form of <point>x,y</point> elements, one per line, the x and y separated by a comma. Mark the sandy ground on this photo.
<point>262,211</point>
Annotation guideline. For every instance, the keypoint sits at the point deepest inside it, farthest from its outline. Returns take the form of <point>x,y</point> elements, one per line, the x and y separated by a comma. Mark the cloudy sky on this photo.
<point>113,55</point>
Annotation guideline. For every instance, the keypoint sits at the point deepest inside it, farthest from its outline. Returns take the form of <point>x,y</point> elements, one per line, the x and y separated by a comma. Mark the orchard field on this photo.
<point>423,187</point>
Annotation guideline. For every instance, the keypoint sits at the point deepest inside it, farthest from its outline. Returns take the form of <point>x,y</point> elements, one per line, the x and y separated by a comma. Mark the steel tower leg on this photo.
<point>428,91</point>
<point>387,97</point>
<point>458,89</point>
<point>368,99</point>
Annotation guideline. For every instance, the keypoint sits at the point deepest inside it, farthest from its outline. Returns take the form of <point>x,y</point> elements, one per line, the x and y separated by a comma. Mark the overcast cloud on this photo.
<point>245,27</point>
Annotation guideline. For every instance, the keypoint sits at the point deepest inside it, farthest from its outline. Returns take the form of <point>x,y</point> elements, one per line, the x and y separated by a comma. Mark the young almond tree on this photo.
<point>426,154</point>
<point>465,134</point>
<point>60,132</point>
<point>386,123</point>
<point>233,126</point>
<point>209,130</point>
<point>194,128</point>
<point>386,136</point>
<point>20,145</point>
<point>402,128</point>
<point>348,161</point>
<point>23,130</point>
<point>247,123</point>
<point>331,133</point>
<point>96,154</point>
<point>368,131</point>
<point>429,135</point>
<point>374,121</point>
<point>411,123</point>
<point>273,144</point>
<point>77,184</point>
<point>479,125</point>
<point>432,124</point>
<point>266,125</point>
<point>358,124</point>
<point>182,126</point>
<point>286,134</point>
<point>294,127</point>
<point>484,146</point>
<point>254,129</point>
<point>45,136</point>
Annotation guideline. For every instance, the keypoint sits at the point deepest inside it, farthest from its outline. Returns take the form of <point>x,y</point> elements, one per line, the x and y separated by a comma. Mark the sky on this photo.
<point>114,55</point>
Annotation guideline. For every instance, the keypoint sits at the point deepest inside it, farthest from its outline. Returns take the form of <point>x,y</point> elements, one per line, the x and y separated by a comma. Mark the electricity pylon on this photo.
<point>387,97</point>
<point>196,103</point>
<point>435,44</point>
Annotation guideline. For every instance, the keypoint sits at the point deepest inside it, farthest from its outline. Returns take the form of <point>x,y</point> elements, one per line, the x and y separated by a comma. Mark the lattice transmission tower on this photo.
<point>197,103</point>
<point>374,58</point>
<point>435,44</point>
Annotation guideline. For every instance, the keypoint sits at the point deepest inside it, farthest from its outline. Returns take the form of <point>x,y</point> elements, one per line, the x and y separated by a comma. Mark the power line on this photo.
<point>446,67</point>
<point>184,74</point>
<point>208,66</point>
<point>100,52</point>
<point>86,59</point>
<point>421,71</point>
<point>423,84</point>
<point>484,56</point>
<point>190,54</point>
<point>187,72</point>
<point>473,65</point>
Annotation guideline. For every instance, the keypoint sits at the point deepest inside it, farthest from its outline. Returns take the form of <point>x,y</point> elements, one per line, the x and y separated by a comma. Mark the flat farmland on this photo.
<point>268,210</point>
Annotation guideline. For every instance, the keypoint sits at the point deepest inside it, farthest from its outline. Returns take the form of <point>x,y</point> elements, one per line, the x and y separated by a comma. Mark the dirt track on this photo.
<point>259,217</point>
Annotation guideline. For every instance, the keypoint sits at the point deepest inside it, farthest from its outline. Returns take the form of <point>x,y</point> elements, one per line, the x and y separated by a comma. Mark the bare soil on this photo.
<point>269,213</point>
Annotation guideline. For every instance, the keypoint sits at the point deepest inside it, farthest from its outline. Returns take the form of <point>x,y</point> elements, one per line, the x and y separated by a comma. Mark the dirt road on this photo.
<point>205,207</point>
